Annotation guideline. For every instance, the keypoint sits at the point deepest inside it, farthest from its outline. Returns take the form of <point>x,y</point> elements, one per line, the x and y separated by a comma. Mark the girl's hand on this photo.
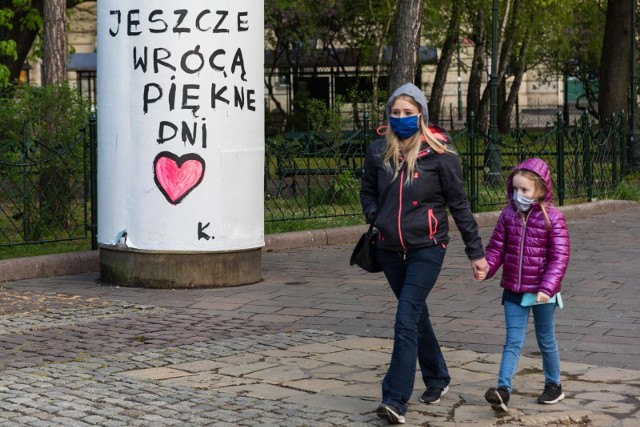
<point>542,297</point>
<point>480,269</point>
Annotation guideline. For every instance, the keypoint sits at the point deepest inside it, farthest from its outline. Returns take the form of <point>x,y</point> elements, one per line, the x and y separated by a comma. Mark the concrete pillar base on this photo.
<point>171,270</point>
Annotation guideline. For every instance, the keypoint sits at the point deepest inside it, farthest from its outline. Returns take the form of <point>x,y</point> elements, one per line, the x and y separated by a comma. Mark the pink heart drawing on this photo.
<point>177,176</point>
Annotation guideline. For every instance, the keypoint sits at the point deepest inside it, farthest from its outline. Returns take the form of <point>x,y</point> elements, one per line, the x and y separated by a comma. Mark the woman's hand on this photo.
<point>480,268</point>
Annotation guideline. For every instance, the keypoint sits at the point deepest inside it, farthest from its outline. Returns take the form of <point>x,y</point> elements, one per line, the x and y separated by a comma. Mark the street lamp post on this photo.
<point>492,159</point>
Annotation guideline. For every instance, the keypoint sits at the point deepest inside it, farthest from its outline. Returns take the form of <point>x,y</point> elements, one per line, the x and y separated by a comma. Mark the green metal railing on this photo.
<point>45,190</point>
<point>308,176</point>
<point>48,193</point>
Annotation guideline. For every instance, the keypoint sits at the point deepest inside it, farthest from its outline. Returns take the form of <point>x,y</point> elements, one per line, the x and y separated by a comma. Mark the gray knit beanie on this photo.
<point>414,92</point>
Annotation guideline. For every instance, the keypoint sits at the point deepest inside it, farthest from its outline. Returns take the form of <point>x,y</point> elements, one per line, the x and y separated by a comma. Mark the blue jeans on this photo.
<point>411,278</point>
<point>517,318</point>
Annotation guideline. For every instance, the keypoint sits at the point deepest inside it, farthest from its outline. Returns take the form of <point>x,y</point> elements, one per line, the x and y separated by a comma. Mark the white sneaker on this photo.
<point>390,414</point>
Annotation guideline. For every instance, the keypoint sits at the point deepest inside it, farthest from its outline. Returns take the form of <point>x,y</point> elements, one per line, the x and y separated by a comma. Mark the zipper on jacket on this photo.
<point>524,235</point>
<point>400,181</point>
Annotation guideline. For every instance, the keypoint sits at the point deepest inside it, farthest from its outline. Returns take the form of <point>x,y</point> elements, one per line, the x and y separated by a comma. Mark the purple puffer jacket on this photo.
<point>533,257</point>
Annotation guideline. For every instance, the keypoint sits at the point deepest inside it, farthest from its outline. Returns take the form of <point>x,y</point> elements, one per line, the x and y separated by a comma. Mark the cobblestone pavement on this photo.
<point>308,345</point>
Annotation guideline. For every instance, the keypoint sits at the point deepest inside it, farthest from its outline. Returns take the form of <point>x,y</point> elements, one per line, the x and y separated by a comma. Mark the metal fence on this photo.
<point>308,175</point>
<point>45,191</point>
<point>586,159</point>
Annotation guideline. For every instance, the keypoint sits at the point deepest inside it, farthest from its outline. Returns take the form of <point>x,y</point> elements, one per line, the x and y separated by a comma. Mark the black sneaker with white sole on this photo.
<point>433,395</point>
<point>390,414</point>
<point>498,398</point>
<point>552,394</point>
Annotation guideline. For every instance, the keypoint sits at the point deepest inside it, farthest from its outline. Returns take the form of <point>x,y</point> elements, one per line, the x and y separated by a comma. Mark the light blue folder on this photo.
<point>529,299</point>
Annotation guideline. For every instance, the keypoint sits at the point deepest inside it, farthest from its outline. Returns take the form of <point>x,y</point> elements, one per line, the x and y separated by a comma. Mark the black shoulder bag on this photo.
<point>364,254</point>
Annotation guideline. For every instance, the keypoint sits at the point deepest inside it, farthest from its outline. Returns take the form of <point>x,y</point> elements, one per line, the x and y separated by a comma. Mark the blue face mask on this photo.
<point>405,127</point>
<point>523,203</point>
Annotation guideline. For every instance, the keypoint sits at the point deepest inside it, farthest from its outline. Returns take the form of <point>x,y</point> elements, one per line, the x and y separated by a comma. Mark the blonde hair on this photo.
<point>392,152</point>
<point>540,191</point>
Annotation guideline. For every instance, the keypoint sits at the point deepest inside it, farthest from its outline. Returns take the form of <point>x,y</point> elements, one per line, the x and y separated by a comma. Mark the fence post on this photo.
<point>473,197</point>
<point>26,236</point>
<point>586,156</point>
<point>451,116</point>
<point>366,131</point>
<point>560,158</point>
<point>93,153</point>
<point>615,124</point>
<point>307,165</point>
<point>622,152</point>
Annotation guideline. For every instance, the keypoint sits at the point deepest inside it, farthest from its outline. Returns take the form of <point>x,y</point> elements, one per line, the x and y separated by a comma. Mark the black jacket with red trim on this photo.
<point>414,214</point>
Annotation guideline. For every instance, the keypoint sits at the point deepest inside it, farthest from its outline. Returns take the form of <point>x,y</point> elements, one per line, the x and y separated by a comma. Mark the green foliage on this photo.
<point>570,41</point>
<point>5,75</point>
<point>32,20</point>
<point>7,47</point>
<point>326,120</point>
<point>40,129</point>
<point>626,190</point>
<point>300,29</point>
<point>364,101</point>
<point>23,14</point>
<point>53,114</point>
<point>345,188</point>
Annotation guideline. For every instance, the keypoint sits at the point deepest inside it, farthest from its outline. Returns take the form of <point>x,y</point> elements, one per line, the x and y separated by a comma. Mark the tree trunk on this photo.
<point>508,104</point>
<point>504,120</point>
<point>476,73</point>
<point>405,46</point>
<point>615,65</point>
<point>54,58</point>
<point>448,48</point>
<point>380,36</point>
<point>277,54</point>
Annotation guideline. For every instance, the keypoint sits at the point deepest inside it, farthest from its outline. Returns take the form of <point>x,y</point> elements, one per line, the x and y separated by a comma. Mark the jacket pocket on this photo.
<point>433,225</point>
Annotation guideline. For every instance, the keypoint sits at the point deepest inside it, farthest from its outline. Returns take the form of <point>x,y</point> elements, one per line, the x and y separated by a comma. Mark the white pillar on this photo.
<point>180,137</point>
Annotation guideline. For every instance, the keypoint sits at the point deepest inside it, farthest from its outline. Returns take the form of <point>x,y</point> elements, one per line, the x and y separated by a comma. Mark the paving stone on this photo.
<point>73,352</point>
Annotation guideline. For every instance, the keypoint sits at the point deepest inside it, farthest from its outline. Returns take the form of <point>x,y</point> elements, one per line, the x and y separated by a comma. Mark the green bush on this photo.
<point>345,189</point>
<point>325,120</point>
<point>53,114</point>
<point>41,151</point>
<point>627,190</point>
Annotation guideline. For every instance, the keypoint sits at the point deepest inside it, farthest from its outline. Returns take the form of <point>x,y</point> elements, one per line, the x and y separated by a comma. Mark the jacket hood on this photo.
<point>539,167</point>
<point>414,92</point>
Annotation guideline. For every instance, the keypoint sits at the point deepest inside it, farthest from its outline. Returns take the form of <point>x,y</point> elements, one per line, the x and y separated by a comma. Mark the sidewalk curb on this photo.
<point>89,261</point>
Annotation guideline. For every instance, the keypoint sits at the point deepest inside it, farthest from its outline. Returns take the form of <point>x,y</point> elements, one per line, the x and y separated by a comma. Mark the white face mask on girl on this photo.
<point>523,203</point>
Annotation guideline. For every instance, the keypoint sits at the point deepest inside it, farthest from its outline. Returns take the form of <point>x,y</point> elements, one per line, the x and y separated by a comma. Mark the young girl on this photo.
<point>531,243</point>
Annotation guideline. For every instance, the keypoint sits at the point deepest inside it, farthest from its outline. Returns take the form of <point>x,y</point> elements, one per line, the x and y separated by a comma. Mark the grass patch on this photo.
<point>44,249</point>
<point>312,224</point>
<point>629,189</point>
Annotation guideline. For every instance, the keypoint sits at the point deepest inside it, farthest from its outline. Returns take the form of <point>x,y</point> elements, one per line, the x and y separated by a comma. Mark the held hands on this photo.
<point>480,269</point>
